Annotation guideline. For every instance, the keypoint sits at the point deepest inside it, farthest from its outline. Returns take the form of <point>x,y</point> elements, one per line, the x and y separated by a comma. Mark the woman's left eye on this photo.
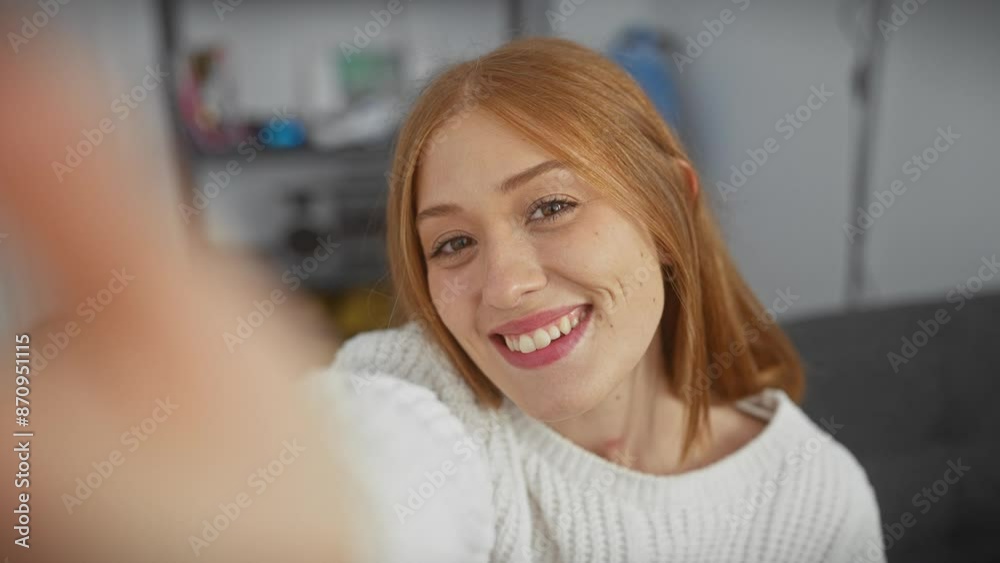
<point>549,210</point>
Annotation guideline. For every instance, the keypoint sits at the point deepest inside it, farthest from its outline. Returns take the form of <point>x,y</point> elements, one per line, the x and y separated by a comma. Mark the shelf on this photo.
<point>376,151</point>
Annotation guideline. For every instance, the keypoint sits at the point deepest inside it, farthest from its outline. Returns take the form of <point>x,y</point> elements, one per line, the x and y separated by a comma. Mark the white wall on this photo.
<point>941,72</point>
<point>784,226</point>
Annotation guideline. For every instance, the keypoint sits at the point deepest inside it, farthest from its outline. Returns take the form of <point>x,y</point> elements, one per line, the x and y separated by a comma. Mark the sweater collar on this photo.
<point>762,459</point>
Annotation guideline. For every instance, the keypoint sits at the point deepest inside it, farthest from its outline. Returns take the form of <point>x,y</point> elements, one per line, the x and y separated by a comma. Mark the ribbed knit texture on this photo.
<point>793,494</point>
<point>427,502</point>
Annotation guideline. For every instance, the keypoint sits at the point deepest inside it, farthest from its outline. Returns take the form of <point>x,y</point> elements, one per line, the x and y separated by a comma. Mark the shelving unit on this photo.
<point>522,16</point>
<point>363,263</point>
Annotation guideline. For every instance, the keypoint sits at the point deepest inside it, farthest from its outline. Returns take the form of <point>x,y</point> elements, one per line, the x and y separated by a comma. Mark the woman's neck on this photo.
<point>639,424</point>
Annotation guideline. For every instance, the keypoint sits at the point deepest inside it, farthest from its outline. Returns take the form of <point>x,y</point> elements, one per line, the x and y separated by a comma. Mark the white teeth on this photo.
<point>513,343</point>
<point>526,344</point>
<point>542,337</point>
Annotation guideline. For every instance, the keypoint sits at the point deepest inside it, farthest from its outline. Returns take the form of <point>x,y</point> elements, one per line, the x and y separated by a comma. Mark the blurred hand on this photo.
<point>153,440</point>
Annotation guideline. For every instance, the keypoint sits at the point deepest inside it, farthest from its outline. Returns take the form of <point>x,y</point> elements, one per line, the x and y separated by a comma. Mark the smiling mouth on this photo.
<point>523,351</point>
<point>544,336</point>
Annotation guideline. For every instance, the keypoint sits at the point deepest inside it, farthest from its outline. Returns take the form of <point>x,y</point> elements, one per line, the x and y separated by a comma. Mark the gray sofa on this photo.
<point>941,407</point>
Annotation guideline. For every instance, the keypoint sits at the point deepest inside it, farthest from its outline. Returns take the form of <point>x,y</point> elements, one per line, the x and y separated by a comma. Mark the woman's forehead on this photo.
<point>472,157</point>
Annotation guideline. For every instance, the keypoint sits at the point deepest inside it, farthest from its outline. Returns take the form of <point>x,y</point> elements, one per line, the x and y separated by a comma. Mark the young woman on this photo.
<point>571,304</point>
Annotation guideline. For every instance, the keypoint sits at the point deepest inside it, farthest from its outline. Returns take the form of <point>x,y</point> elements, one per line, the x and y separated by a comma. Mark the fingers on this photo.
<point>78,217</point>
<point>148,424</point>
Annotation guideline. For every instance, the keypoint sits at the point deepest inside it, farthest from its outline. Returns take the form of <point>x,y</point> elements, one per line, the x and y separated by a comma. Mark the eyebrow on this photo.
<point>510,184</point>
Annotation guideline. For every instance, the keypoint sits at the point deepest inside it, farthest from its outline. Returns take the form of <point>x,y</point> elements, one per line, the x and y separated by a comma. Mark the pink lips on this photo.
<point>559,348</point>
<point>531,322</point>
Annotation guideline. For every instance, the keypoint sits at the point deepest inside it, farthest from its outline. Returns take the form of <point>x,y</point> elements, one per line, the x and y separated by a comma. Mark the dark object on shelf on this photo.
<point>303,237</point>
<point>359,207</point>
<point>374,152</point>
<point>346,249</point>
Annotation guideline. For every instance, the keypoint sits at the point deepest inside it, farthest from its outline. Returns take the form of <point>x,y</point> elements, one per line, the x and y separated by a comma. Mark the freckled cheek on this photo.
<point>453,293</point>
<point>590,255</point>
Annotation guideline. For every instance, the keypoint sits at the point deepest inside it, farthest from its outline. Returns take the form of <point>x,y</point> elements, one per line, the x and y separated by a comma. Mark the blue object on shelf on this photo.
<point>640,51</point>
<point>289,134</point>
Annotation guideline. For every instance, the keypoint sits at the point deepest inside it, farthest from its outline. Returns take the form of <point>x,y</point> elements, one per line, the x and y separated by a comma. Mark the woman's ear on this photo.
<point>691,178</point>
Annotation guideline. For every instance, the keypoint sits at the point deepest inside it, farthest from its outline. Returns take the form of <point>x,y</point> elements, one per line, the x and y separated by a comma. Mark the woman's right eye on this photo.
<point>451,247</point>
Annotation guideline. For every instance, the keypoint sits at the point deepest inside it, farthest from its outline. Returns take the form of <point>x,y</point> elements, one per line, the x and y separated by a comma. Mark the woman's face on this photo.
<point>520,253</point>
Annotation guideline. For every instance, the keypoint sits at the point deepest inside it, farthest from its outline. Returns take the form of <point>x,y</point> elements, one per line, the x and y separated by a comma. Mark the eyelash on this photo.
<point>567,206</point>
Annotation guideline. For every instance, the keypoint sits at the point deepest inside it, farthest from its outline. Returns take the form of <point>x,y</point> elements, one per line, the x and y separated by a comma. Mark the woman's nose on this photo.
<point>513,269</point>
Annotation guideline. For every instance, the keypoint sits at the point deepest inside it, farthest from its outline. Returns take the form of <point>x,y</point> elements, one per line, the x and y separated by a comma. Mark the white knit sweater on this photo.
<point>499,486</point>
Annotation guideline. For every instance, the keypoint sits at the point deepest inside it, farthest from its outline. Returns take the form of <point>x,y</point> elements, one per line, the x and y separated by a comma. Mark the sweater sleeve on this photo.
<point>431,502</point>
<point>861,539</point>
<point>866,543</point>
